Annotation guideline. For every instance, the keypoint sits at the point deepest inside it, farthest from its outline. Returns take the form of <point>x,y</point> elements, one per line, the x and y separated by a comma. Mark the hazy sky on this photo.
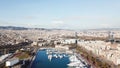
<point>66,14</point>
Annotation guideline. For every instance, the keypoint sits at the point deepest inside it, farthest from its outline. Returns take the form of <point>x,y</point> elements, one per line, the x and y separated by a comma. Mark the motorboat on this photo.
<point>50,57</point>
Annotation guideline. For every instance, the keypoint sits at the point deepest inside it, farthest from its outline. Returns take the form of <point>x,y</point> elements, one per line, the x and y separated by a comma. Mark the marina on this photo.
<point>52,58</point>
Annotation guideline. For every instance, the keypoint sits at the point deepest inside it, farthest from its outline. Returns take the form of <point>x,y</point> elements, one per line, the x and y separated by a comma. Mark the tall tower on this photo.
<point>110,37</point>
<point>76,38</point>
<point>75,34</point>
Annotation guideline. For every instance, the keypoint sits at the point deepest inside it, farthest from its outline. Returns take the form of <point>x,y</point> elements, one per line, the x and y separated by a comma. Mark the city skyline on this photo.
<point>65,14</point>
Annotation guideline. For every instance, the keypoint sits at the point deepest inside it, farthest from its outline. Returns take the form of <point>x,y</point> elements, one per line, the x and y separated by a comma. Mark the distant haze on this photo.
<point>61,14</point>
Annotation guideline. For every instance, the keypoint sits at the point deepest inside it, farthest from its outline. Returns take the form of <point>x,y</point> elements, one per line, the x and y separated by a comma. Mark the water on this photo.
<point>42,61</point>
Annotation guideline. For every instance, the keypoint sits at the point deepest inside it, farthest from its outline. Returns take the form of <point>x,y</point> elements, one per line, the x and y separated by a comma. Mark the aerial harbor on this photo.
<point>34,48</point>
<point>54,58</point>
<point>59,34</point>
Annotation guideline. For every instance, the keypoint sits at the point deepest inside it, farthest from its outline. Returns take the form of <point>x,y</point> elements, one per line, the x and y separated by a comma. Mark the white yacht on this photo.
<point>73,64</point>
<point>73,58</point>
<point>50,57</point>
<point>60,56</point>
<point>55,55</point>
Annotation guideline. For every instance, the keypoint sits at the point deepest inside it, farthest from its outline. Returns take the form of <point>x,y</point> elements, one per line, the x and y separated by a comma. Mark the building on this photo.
<point>62,47</point>
<point>69,41</point>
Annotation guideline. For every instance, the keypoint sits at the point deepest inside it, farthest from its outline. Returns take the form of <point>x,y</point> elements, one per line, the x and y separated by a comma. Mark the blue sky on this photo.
<point>65,14</point>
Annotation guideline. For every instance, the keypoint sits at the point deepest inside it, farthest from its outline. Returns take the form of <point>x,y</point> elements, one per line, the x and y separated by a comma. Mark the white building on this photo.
<point>34,43</point>
<point>69,41</point>
<point>62,47</point>
<point>118,47</point>
<point>12,62</point>
<point>41,44</point>
<point>118,61</point>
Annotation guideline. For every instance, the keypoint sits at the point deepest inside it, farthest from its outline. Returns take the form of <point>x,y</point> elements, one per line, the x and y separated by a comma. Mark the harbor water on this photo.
<point>42,60</point>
